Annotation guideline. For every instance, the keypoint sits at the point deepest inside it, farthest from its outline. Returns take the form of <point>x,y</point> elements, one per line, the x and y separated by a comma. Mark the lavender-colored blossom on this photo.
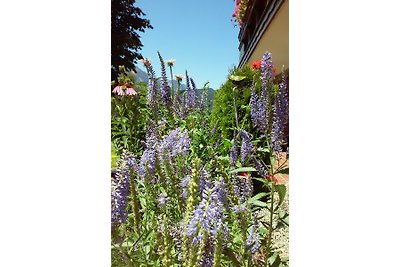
<point>120,188</point>
<point>253,106</point>
<point>208,214</point>
<point>207,259</point>
<point>240,208</point>
<point>266,67</point>
<point>259,105</point>
<point>204,180</point>
<point>260,168</point>
<point>184,186</point>
<point>190,96</point>
<point>280,117</point>
<point>258,110</point>
<point>162,200</point>
<point>177,142</point>
<point>147,164</point>
<point>234,154</point>
<point>243,187</point>
<point>217,143</point>
<point>152,86</point>
<point>203,101</point>
<point>165,88</point>
<point>246,147</point>
<point>253,240</point>
<point>214,128</point>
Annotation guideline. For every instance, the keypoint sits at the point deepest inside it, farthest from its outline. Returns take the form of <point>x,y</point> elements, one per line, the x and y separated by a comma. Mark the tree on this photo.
<point>126,21</point>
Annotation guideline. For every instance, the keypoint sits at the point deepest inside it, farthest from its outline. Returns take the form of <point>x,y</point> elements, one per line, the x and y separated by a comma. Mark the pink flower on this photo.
<point>145,61</point>
<point>236,12</point>
<point>179,77</point>
<point>170,62</point>
<point>130,91</point>
<point>118,90</point>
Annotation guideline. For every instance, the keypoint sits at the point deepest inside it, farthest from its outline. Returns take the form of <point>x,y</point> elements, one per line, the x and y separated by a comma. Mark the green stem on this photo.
<point>172,84</point>
<point>271,213</point>
<point>234,105</point>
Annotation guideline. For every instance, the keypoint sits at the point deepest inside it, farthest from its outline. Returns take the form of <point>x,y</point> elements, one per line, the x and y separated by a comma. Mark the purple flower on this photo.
<point>234,154</point>
<point>246,147</point>
<point>204,180</point>
<point>147,164</point>
<point>177,142</point>
<point>214,129</point>
<point>151,89</point>
<point>208,214</point>
<point>190,97</point>
<point>253,106</point>
<point>253,240</point>
<point>162,200</point>
<point>184,186</point>
<point>259,106</point>
<point>203,101</point>
<point>165,88</point>
<point>280,117</point>
<point>258,109</point>
<point>242,186</point>
<point>260,168</point>
<point>120,188</point>
<point>266,68</point>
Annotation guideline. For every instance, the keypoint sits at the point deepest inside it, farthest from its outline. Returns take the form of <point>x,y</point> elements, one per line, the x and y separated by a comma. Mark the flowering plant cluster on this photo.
<point>187,197</point>
<point>127,120</point>
<point>240,11</point>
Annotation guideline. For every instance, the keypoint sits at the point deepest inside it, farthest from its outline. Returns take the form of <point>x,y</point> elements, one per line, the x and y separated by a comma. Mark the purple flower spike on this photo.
<point>165,88</point>
<point>120,188</point>
<point>280,117</point>
<point>246,147</point>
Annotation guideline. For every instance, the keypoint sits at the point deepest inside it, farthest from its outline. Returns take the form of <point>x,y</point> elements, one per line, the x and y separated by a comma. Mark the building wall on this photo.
<point>275,39</point>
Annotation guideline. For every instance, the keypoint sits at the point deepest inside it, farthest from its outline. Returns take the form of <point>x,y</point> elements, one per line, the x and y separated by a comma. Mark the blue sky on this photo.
<point>198,34</point>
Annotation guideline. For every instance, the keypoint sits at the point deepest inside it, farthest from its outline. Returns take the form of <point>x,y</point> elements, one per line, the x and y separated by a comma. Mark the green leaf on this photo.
<point>273,258</point>
<point>281,189</point>
<point>256,197</point>
<point>264,181</point>
<point>272,160</point>
<point>126,244</point>
<point>244,169</point>
<point>237,78</point>
<point>263,149</point>
<point>259,203</point>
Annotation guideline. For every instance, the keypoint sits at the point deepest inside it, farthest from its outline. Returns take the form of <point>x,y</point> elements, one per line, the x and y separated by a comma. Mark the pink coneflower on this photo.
<point>145,61</point>
<point>130,91</point>
<point>170,62</point>
<point>179,77</point>
<point>118,90</point>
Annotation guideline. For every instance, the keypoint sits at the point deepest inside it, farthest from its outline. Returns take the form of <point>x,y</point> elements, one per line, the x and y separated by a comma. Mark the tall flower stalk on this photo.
<point>165,88</point>
<point>170,64</point>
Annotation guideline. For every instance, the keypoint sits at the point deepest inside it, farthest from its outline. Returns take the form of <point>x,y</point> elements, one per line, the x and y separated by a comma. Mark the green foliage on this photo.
<point>223,110</point>
<point>128,115</point>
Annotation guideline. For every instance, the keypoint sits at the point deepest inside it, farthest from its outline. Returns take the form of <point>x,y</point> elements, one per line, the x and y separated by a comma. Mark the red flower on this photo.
<point>274,70</point>
<point>272,178</point>
<point>256,64</point>
<point>242,173</point>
